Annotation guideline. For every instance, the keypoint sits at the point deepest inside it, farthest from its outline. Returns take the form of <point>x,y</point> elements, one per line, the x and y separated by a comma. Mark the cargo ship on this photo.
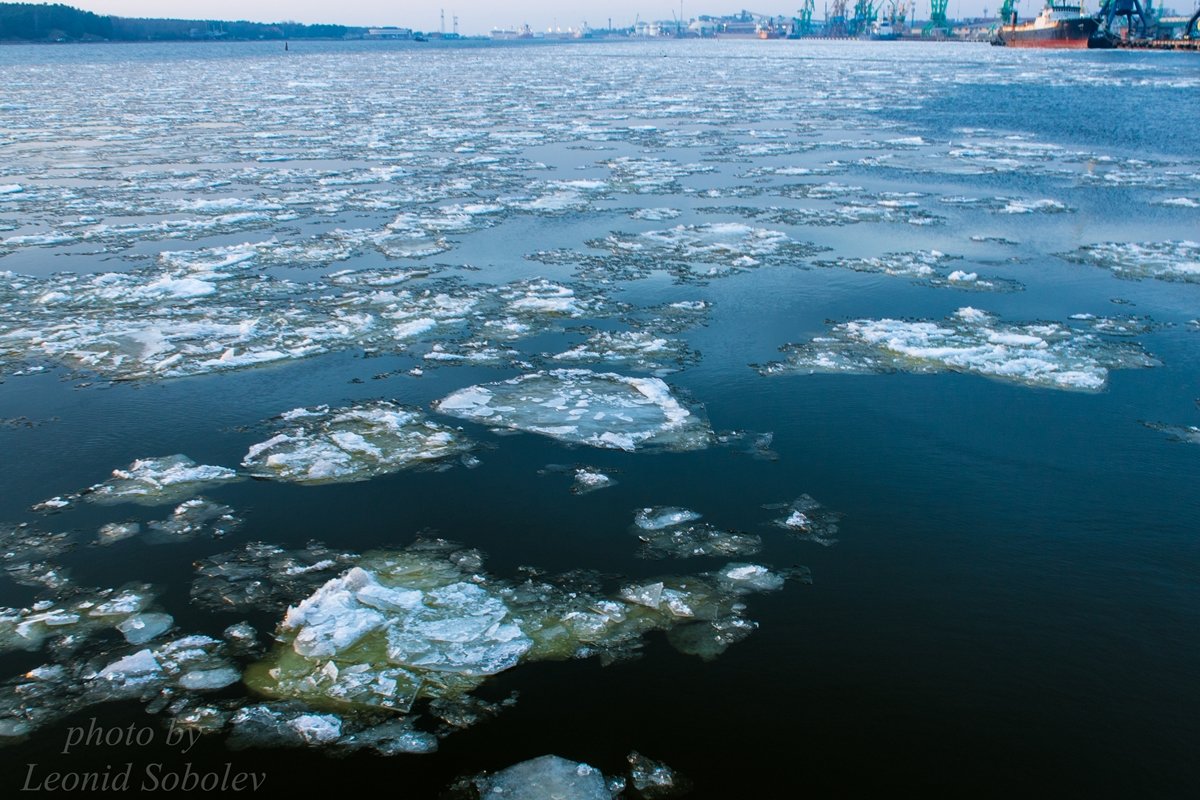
<point>1059,25</point>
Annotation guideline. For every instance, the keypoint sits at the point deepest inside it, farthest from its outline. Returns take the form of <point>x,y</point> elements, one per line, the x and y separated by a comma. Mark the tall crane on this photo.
<point>1111,9</point>
<point>805,27</point>
<point>865,13</point>
<point>937,19</point>
<point>835,19</point>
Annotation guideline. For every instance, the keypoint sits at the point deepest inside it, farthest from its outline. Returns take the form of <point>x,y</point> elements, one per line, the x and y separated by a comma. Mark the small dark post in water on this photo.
<point>285,47</point>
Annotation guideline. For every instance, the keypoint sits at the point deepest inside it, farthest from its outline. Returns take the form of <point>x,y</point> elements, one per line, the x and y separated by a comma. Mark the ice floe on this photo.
<point>1168,261</point>
<point>582,407</point>
<point>639,350</point>
<point>355,443</point>
<point>27,555</point>
<point>1042,354</point>
<point>807,519</point>
<point>589,480</point>
<point>673,533</point>
<point>157,675</point>
<point>75,618</point>
<point>929,267</point>
<point>149,482</point>
<point>262,576</point>
<point>427,623</point>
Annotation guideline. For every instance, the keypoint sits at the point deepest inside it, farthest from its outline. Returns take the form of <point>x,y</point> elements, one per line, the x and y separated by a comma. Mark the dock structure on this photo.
<point>1158,44</point>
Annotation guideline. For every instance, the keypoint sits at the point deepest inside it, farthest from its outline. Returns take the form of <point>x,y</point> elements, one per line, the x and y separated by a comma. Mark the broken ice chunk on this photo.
<point>1168,261</point>
<point>545,778</point>
<point>589,480</point>
<point>352,444</point>
<point>1050,355</point>
<point>707,640</point>
<point>158,481</point>
<point>640,350</point>
<point>658,517</point>
<point>113,532</point>
<point>582,407</point>
<point>141,628</point>
<point>653,779</point>
<point>687,541</point>
<point>749,577</point>
<point>809,520</point>
<point>81,615</point>
<point>194,518</point>
<point>264,576</point>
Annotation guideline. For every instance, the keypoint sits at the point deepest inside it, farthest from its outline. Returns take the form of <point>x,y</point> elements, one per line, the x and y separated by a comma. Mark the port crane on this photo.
<point>805,26</point>
<point>1110,10</point>
<point>835,21</point>
<point>937,19</point>
<point>865,13</point>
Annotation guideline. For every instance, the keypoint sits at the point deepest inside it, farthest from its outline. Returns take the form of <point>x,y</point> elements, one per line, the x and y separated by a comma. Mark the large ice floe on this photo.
<point>1043,354</point>
<point>578,406</point>
<point>355,443</point>
<point>425,623</point>
<point>1167,261</point>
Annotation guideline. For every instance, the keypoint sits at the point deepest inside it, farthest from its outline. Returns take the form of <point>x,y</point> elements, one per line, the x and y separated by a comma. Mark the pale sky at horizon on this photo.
<point>480,16</point>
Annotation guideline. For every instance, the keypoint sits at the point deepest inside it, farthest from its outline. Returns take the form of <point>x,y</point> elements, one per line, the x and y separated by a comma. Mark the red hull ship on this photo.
<point>1058,26</point>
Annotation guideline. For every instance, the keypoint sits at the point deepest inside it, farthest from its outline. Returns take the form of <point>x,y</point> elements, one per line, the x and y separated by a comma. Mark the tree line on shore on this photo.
<point>27,22</point>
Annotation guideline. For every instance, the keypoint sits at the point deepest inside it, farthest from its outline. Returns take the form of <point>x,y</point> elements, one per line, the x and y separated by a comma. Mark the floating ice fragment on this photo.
<point>1050,355</point>
<point>657,518</point>
<point>582,407</point>
<point>80,616</point>
<point>264,576</point>
<point>352,444</point>
<point>113,532</point>
<point>1168,261</point>
<point>809,520</point>
<point>193,518</point>
<point>725,246</point>
<point>929,267</point>
<point>653,779</point>
<point>639,350</point>
<point>589,480</point>
<point>749,578</point>
<point>158,481</point>
<point>545,778</point>
<point>1178,202</point>
<point>656,214</point>
<point>141,628</point>
<point>687,541</point>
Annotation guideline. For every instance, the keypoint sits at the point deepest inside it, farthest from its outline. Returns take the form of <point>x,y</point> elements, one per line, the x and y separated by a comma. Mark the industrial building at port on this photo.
<point>836,19</point>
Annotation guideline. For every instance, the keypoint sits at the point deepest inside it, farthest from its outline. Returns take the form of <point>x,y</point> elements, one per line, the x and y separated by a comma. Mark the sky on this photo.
<point>480,16</point>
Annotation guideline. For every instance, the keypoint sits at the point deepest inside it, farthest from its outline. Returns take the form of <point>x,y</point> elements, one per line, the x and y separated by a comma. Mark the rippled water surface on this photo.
<point>808,416</point>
